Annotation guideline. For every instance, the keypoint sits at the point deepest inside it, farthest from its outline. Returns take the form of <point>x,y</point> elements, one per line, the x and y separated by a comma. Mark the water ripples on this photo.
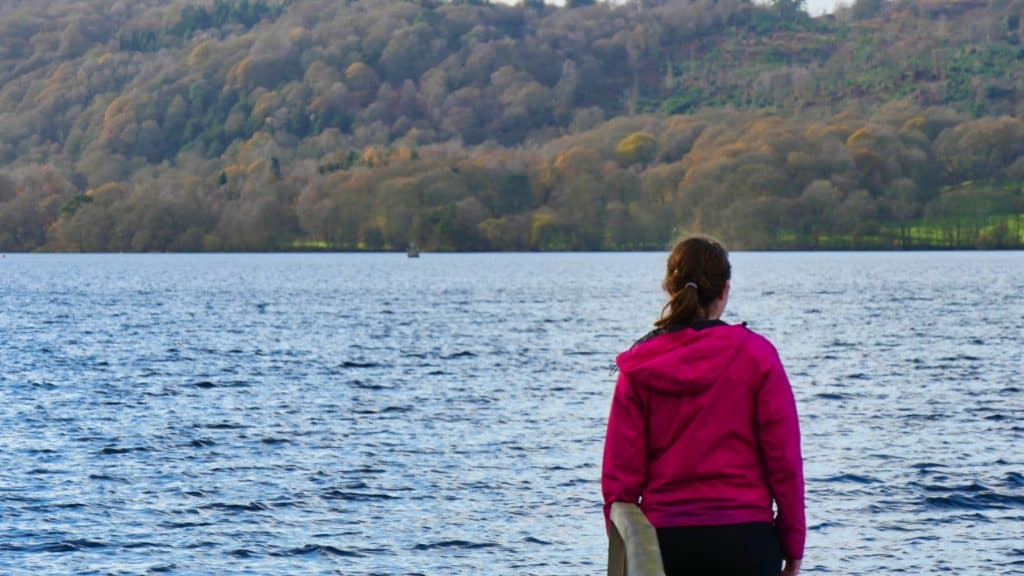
<point>369,414</point>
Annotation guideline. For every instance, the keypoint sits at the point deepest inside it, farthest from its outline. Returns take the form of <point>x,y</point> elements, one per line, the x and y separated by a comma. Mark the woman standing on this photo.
<point>703,432</point>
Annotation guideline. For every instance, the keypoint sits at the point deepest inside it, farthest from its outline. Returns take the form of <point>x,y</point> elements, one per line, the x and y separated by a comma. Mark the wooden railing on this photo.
<point>632,543</point>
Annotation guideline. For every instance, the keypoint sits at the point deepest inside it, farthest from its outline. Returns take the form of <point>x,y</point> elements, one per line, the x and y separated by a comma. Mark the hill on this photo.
<point>370,124</point>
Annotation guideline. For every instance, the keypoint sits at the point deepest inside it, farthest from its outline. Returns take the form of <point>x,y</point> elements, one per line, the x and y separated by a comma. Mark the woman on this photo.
<point>703,432</point>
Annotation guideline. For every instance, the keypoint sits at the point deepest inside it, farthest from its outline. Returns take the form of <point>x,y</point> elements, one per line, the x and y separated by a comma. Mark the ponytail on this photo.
<point>697,270</point>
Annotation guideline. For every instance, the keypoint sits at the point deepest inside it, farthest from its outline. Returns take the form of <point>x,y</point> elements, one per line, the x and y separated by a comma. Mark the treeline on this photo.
<point>371,124</point>
<point>903,177</point>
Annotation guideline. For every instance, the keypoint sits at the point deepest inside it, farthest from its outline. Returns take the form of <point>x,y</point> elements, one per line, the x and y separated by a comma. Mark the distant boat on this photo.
<point>412,251</point>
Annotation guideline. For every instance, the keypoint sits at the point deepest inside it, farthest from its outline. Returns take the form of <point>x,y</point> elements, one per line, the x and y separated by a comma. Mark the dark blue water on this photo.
<point>372,414</point>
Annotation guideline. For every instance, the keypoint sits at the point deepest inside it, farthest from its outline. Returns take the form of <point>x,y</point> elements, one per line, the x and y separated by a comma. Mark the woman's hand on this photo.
<point>791,567</point>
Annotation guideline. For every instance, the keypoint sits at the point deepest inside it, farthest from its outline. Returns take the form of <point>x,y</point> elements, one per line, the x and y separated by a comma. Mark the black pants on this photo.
<point>731,550</point>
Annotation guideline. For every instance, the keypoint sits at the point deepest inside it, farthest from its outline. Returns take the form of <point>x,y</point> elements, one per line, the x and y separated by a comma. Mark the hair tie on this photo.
<point>690,285</point>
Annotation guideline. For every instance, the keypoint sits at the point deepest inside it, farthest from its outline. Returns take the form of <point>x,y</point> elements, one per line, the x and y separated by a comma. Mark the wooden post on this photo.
<point>633,543</point>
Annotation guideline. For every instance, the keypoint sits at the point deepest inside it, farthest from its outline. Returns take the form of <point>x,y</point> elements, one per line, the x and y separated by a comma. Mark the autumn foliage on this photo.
<point>373,124</point>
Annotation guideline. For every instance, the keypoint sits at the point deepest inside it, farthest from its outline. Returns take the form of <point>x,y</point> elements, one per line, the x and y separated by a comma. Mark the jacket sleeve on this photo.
<point>779,437</point>
<point>624,471</point>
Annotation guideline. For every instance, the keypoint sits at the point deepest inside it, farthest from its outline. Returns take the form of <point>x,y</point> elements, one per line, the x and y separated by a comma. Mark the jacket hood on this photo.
<point>684,361</point>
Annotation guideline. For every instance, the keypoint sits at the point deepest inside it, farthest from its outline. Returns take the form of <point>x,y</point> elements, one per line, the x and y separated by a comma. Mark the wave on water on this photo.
<point>201,443</point>
<point>319,549</point>
<point>186,524</point>
<point>55,547</point>
<point>384,410</point>
<point>973,496</point>
<point>208,385</point>
<point>366,385</point>
<point>834,396</point>
<point>223,426</point>
<point>355,364</point>
<point>229,507</point>
<point>354,496</point>
<point>273,441</point>
<point>242,553</point>
<point>323,437</point>
<point>981,501</point>
<point>459,544</point>
<point>144,545</point>
<point>855,478</point>
<point>113,450</point>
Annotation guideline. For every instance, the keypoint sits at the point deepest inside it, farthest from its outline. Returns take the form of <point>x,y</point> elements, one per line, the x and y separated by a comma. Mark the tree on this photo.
<point>638,147</point>
<point>790,10</point>
<point>980,148</point>
<point>864,9</point>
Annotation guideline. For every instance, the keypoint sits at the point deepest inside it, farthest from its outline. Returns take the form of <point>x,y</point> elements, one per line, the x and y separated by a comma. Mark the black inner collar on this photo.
<point>697,325</point>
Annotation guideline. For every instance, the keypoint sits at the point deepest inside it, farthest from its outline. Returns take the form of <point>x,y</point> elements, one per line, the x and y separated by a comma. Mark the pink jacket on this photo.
<point>703,431</point>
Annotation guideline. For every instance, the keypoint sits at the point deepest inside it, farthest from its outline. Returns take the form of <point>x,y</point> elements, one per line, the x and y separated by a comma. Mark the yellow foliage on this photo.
<point>374,156</point>
<point>637,147</point>
<point>861,136</point>
<point>914,123</point>
<point>541,222</point>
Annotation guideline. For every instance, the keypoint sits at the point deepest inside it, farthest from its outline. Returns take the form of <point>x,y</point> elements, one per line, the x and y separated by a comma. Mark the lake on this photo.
<point>374,414</point>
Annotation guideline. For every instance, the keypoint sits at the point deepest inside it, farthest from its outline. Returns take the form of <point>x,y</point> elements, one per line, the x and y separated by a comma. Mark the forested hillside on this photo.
<point>372,124</point>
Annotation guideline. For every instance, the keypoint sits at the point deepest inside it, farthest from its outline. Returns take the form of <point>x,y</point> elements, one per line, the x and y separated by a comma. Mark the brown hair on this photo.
<point>695,276</point>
